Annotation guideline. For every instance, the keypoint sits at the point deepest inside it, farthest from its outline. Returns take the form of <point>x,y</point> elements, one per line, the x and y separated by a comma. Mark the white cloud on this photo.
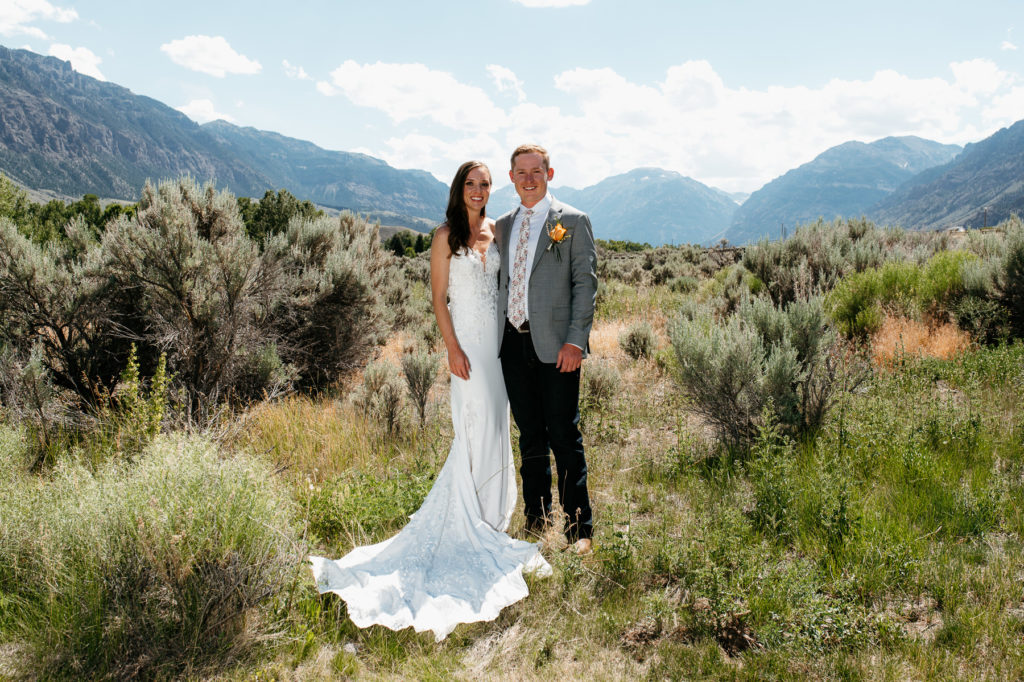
<point>691,121</point>
<point>211,55</point>
<point>16,16</point>
<point>1005,108</point>
<point>1007,45</point>
<point>505,79</point>
<point>413,91</point>
<point>325,88</point>
<point>552,3</point>
<point>82,59</point>
<point>203,111</point>
<point>295,72</point>
<point>979,76</point>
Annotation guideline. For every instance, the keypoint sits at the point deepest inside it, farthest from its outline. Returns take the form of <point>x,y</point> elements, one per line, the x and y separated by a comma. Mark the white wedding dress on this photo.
<point>452,563</point>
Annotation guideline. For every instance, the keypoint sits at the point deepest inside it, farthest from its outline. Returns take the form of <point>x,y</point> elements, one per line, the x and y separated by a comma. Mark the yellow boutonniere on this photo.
<point>557,234</point>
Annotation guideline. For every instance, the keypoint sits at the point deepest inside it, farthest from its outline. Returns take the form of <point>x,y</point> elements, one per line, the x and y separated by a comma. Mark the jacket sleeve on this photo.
<point>583,274</point>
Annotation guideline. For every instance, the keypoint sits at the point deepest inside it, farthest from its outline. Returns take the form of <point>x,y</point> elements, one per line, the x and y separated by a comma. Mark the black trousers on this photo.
<point>545,405</point>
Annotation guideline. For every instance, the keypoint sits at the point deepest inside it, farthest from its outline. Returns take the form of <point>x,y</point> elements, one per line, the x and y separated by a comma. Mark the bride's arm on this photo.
<point>440,261</point>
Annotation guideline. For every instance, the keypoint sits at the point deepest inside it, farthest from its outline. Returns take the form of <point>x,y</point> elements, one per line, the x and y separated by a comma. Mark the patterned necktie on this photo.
<point>517,287</point>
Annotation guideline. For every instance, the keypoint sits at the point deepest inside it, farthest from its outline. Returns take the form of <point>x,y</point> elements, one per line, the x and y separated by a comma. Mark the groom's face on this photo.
<point>530,176</point>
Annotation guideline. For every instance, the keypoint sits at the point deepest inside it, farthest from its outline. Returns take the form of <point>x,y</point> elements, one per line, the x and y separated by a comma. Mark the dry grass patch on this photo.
<point>604,339</point>
<point>900,338</point>
<point>318,439</point>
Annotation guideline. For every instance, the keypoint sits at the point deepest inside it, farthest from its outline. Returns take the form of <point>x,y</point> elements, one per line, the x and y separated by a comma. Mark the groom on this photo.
<point>547,288</point>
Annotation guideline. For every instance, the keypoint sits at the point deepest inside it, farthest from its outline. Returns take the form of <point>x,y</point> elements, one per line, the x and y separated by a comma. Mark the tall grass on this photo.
<point>150,570</point>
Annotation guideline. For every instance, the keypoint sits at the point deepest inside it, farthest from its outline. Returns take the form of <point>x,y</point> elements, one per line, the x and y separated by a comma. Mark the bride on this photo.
<point>453,562</point>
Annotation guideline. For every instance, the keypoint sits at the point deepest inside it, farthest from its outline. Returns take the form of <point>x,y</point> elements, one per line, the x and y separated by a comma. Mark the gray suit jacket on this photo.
<point>563,285</point>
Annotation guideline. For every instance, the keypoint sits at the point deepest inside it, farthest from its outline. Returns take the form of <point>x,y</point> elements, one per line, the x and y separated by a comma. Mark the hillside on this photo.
<point>72,134</point>
<point>846,180</point>
<point>983,184</point>
<point>335,179</point>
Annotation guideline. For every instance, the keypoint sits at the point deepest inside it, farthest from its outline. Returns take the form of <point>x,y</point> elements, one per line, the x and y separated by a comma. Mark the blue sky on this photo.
<point>730,93</point>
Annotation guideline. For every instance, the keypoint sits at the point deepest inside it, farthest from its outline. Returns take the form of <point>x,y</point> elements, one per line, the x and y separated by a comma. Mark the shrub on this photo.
<point>683,284</point>
<point>50,301</point>
<point>1011,285</point>
<point>341,294</point>
<point>205,290</point>
<point>600,381</point>
<point>380,396</point>
<point>761,358</point>
<point>639,340</point>
<point>30,397</point>
<point>134,415</point>
<point>854,305</point>
<point>771,473</point>
<point>181,276</point>
<point>942,283</point>
<point>987,321</point>
<point>420,370</point>
<point>732,285</point>
<point>153,570</point>
<point>818,254</point>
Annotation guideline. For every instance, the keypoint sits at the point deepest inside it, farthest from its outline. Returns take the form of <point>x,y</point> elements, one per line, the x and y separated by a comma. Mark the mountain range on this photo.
<point>846,180</point>
<point>66,132</point>
<point>644,205</point>
<point>63,132</point>
<point>982,186</point>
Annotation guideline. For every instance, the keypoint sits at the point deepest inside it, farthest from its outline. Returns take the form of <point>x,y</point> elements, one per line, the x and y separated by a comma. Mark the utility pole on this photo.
<point>985,211</point>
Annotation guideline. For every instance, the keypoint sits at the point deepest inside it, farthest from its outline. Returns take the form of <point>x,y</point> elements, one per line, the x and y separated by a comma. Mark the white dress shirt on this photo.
<point>537,220</point>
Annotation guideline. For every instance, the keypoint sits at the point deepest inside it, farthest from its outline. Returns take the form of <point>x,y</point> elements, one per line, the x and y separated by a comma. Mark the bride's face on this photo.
<point>477,189</point>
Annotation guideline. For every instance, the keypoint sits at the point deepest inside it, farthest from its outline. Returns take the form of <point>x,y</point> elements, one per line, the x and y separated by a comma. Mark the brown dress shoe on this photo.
<point>581,547</point>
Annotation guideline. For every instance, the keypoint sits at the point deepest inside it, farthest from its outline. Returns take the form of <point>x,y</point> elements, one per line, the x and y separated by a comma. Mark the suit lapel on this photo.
<point>554,215</point>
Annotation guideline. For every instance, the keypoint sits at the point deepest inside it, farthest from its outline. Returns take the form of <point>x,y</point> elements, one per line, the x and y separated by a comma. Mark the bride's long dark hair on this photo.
<point>458,221</point>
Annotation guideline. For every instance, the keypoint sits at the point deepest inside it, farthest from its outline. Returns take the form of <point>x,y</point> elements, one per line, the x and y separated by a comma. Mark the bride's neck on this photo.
<point>476,223</point>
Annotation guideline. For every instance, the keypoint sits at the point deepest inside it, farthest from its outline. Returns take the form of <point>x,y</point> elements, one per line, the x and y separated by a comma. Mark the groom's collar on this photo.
<point>542,206</point>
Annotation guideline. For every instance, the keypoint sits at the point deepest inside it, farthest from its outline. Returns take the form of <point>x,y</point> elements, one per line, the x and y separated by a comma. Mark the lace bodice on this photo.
<point>473,294</point>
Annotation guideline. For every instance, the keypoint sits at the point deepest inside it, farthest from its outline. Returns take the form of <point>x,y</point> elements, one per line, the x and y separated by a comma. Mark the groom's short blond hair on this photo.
<point>531,149</point>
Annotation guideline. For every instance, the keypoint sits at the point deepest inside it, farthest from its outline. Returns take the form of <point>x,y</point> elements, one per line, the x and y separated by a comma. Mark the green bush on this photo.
<point>760,359</point>
<point>935,290</point>
<point>684,284</point>
<point>639,340</point>
<point>856,303</point>
<point>942,283</point>
<point>51,303</point>
<point>152,570</point>
<point>135,414</point>
<point>731,286</point>
<point>772,475</point>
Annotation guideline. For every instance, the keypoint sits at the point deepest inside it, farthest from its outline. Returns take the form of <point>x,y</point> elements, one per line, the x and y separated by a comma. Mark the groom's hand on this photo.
<point>569,358</point>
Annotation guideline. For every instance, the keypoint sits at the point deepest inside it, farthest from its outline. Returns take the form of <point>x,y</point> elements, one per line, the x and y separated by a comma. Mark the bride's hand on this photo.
<point>458,363</point>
